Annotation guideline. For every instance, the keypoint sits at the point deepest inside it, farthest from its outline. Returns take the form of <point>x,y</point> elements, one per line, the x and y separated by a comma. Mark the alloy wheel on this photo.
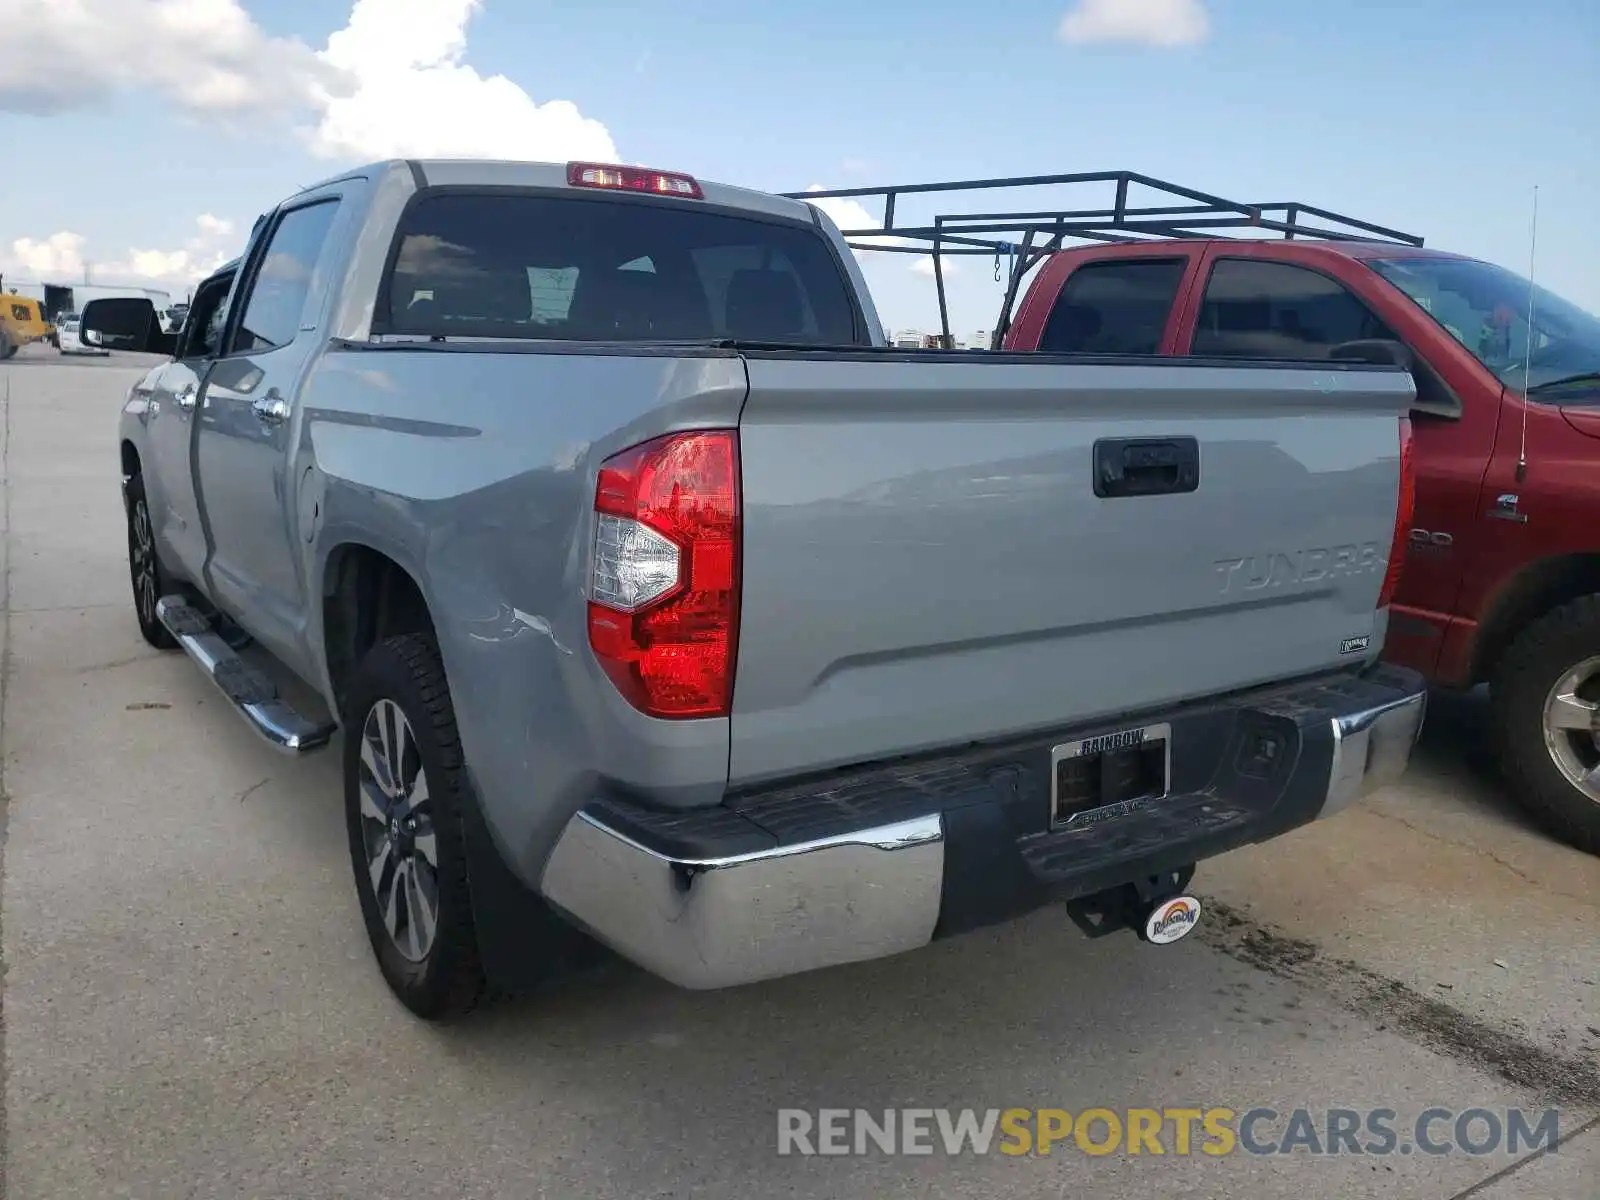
<point>142,562</point>
<point>397,831</point>
<point>1572,727</point>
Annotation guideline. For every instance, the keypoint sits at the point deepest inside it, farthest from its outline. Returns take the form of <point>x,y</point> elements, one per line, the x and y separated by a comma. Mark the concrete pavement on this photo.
<point>190,1008</point>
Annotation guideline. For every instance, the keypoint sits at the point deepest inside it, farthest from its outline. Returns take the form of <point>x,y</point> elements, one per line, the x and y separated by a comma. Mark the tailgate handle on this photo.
<point>1146,466</point>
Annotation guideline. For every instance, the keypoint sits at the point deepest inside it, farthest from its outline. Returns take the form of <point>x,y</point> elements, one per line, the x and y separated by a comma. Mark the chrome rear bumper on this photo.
<point>716,922</point>
<point>713,920</point>
<point>1372,748</point>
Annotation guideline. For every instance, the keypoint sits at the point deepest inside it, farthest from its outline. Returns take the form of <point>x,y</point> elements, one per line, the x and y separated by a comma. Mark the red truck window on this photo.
<point>1255,309</point>
<point>1114,307</point>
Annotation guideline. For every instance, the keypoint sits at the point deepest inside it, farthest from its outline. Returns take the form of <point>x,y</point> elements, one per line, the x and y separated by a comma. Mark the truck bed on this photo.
<point>925,560</point>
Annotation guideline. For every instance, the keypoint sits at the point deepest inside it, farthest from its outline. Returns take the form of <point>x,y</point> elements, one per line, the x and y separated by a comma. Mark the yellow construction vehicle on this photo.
<point>22,320</point>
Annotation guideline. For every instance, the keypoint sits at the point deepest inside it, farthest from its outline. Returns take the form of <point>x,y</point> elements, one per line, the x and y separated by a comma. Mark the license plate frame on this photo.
<point>1152,743</point>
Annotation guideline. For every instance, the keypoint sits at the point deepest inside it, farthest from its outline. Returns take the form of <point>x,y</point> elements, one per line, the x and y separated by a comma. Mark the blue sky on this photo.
<point>1431,116</point>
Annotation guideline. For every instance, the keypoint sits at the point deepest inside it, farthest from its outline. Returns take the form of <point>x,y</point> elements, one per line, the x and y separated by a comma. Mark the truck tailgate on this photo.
<point>926,560</point>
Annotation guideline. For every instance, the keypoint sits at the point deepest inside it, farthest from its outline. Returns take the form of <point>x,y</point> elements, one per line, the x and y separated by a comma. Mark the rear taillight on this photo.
<point>664,573</point>
<point>633,179</point>
<point>1405,514</point>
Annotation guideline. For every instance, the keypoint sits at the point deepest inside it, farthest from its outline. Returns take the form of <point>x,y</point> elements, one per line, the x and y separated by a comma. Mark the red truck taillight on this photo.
<point>664,573</point>
<point>1405,514</point>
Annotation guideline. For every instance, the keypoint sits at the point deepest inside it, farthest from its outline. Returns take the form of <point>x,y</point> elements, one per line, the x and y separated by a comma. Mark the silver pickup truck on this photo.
<point>664,607</point>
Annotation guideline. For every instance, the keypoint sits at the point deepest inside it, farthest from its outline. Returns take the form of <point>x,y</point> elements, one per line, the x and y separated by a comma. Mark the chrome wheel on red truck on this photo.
<point>1547,717</point>
<point>1572,727</point>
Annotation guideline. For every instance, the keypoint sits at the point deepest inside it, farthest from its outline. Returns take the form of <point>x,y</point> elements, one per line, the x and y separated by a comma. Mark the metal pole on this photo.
<point>938,282</point>
<point>1017,272</point>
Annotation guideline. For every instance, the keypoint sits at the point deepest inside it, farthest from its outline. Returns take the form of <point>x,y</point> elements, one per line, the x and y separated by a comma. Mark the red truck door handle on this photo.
<point>1505,508</point>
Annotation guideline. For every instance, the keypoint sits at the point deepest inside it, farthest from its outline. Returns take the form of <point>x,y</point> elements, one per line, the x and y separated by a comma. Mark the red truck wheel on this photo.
<point>1546,697</point>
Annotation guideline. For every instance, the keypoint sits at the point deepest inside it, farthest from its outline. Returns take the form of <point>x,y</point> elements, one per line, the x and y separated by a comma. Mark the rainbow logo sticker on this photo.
<point>1172,920</point>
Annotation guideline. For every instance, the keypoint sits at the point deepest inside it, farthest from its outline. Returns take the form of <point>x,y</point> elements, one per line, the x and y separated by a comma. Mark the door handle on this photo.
<point>185,398</point>
<point>1146,466</point>
<point>1505,508</point>
<point>272,409</point>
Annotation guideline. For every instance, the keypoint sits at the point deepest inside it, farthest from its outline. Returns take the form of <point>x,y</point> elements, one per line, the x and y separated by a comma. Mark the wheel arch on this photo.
<point>367,595</point>
<point>131,466</point>
<point>1539,588</point>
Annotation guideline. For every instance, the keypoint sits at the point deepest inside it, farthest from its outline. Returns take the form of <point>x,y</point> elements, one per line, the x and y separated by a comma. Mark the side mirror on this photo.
<point>125,323</point>
<point>1435,397</point>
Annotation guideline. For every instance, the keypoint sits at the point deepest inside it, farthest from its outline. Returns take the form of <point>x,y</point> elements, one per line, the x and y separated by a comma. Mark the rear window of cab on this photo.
<point>532,265</point>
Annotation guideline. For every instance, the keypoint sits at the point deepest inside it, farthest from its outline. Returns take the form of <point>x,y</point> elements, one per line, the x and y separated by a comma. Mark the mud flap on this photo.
<point>522,943</point>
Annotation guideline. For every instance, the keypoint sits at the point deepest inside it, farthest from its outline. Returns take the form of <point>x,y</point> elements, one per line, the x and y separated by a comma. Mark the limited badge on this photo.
<point>1172,920</point>
<point>1354,645</point>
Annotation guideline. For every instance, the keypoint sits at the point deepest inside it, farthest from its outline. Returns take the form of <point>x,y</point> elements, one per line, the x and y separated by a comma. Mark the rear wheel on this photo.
<point>150,581</point>
<point>7,346</point>
<point>404,785</point>
<point>1547,717</point>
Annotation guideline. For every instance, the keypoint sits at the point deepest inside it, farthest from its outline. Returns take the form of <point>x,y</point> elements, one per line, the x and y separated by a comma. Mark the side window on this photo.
<point>202,327</point>
<point>277,297</point>
<point>1114,307</point>
<point>1254,309</point>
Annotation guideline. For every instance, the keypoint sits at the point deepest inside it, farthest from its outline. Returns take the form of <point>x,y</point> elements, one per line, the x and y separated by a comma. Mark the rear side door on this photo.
<point>247,427</point>
<point>1119,300</point>
<point>169,434</point>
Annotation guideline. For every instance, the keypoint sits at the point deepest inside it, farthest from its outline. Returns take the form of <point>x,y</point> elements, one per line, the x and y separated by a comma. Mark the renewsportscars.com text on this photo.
<point>1182,1132</point>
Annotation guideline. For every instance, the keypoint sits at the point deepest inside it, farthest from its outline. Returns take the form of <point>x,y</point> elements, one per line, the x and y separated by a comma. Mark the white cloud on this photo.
<point>392,83</point>
<point>850,214</point>
<point>844,212</point>
<point>210,247</point>
<point>1143,22</point>
<point>206,56</point>
<point>59,254</point>
<point>62,258</point>
<point>415,95</point>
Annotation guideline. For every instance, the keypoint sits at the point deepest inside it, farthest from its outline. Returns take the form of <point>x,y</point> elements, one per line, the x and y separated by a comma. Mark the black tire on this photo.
<point>447,980</point>
<point>149,578</point>
<point>7,346</point>
<point>1540,657</point>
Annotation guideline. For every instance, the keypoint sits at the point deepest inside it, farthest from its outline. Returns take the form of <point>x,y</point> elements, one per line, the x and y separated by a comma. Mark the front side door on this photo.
<point>169,435</point>
<point>247,429</point>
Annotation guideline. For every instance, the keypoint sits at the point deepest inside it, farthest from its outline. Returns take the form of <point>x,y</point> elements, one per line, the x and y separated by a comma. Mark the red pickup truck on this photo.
<point>1501,584</point>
